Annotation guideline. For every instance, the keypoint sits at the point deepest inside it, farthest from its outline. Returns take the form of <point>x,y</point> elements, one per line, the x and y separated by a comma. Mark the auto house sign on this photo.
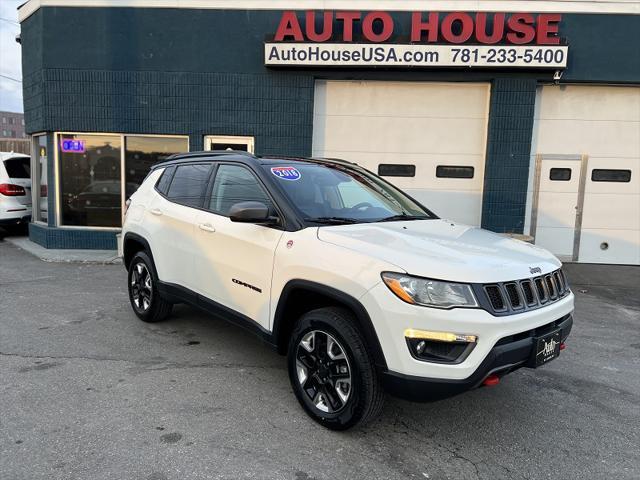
<point>457,39</point>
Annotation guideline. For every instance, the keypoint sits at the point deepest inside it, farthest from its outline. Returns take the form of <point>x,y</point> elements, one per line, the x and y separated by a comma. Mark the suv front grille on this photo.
<point>495,297</point>
<point>513,292</point>
<point>507,298</point>
<point>529,295</point>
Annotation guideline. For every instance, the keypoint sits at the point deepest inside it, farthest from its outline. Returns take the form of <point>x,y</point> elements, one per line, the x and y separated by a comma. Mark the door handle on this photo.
<point>207,227</point>
<point>156,211</point>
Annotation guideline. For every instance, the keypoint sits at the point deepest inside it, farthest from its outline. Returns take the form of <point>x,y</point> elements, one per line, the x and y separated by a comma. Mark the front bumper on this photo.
<point>509,354</point>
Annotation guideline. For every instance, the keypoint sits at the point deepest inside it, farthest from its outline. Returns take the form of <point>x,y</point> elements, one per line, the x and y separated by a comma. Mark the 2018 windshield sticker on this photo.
<point>286,173</point>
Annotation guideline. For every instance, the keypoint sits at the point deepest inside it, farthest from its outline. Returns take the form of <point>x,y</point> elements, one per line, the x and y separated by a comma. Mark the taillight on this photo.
<point>43,190</point>
<point>11,190</point>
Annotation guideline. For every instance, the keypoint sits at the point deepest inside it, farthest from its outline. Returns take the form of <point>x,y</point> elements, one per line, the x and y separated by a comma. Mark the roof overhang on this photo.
<point>630,7</point>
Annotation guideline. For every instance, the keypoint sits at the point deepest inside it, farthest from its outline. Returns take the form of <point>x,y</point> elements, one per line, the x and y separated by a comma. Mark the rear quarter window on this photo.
<point>18,167</point>
<point>165,180</point>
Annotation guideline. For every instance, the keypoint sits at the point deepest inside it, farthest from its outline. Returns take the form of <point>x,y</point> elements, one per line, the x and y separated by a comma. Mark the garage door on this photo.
<point>599,196</point>
<point>427,138</point>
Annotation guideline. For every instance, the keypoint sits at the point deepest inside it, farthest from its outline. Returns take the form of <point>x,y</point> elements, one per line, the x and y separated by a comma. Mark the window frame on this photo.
<point>35,182</point>
<point>123,193</point>
<point>247,140</point>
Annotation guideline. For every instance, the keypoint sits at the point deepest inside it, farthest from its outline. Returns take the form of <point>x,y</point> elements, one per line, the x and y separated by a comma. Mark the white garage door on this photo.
<point>602,125</point>
<point>428,139</point>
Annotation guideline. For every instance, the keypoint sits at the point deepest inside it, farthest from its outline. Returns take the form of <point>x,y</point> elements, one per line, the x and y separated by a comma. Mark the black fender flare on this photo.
<point>362,316</point>
<point>144,242</point>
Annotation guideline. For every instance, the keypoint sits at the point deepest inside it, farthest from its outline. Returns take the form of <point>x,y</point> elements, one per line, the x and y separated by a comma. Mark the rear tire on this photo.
<point>331,371</point>
<point>144,296</point>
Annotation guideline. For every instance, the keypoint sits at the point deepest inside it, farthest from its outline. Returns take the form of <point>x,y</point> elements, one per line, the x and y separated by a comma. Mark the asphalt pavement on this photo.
<point>87,391</point>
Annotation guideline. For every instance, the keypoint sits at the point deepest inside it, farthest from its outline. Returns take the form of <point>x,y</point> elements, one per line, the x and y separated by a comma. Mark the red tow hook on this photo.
<point>491,381</point>
<point>562,346</point>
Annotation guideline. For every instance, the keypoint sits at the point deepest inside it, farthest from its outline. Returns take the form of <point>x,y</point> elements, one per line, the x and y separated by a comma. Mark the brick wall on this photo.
<point>508,149</point>
<point>275,108</point>
<point>72,238</point>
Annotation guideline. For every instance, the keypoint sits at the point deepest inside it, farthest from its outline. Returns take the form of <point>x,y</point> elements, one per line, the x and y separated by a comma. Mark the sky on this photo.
<point>10,57</point>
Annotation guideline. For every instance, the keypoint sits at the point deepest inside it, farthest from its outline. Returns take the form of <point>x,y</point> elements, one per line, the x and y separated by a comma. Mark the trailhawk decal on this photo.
<point>286,173</point>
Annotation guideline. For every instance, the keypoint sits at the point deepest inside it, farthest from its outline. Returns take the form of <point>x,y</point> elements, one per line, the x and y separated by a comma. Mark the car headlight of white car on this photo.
<point>429,293</point>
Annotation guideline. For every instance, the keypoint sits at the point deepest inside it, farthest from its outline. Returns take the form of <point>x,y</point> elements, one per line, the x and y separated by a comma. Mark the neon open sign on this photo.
<point>72,146</point>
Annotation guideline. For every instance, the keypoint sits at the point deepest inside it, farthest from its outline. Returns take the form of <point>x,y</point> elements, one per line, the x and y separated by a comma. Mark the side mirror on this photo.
<point>250,212</point>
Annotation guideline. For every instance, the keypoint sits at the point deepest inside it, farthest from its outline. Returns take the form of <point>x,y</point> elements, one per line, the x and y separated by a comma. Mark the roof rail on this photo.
<point>203,153</point>
<point>333,159</point>
<point>208,153</point>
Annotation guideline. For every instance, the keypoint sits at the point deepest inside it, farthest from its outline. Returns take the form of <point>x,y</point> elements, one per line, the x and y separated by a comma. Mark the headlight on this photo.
<point>430,293</point>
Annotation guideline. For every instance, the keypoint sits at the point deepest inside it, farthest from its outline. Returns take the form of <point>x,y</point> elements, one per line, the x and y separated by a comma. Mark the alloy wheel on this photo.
<point>323,371</point>
<point>141,287</point>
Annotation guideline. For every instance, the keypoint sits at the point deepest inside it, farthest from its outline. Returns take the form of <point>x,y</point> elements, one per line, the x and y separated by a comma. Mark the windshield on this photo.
<point>332,194</point>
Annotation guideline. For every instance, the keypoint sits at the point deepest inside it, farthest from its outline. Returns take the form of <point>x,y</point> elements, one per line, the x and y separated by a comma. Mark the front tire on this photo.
<point>331,371</point>
<point>144,296</point>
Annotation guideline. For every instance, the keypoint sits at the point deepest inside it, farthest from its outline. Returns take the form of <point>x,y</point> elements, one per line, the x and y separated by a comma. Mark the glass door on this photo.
<point>39,179</point>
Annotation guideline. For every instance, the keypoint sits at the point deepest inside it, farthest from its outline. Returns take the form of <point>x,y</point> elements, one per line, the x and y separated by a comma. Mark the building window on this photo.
<point>396,170</point>
<point>610,175</point>
<point>452,171</point>
<point>91,168</point>
<point>560,174</point>
<point>90,183</point>
<point>141,153</point>
<point>225,142</point>
<point>39,179</point>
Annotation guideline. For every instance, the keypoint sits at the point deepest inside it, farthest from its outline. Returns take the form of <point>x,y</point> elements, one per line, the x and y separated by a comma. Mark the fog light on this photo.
<point>439,347</point>
<point>439,336</point>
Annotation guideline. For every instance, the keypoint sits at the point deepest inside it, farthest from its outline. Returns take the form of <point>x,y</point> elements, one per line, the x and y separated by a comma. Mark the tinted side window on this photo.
<point>165,180</point>
<point>18,167</point>
<point>234,184</point>
<point>188,184</point>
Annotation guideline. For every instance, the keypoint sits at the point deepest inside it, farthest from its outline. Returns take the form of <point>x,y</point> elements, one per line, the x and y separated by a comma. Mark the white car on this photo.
<point>364,289</point>
<point>15,189</point>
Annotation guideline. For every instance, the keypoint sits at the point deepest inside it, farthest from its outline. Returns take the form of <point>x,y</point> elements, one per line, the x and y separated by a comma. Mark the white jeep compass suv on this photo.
<point>364,289</point>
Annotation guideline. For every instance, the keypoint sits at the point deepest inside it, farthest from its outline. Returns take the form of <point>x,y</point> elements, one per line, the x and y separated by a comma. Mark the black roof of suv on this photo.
<point>245,157</point>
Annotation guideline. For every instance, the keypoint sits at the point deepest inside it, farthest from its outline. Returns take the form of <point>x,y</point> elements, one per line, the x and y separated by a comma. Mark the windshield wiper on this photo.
<point>403,216</point>
<point>332,220</point>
